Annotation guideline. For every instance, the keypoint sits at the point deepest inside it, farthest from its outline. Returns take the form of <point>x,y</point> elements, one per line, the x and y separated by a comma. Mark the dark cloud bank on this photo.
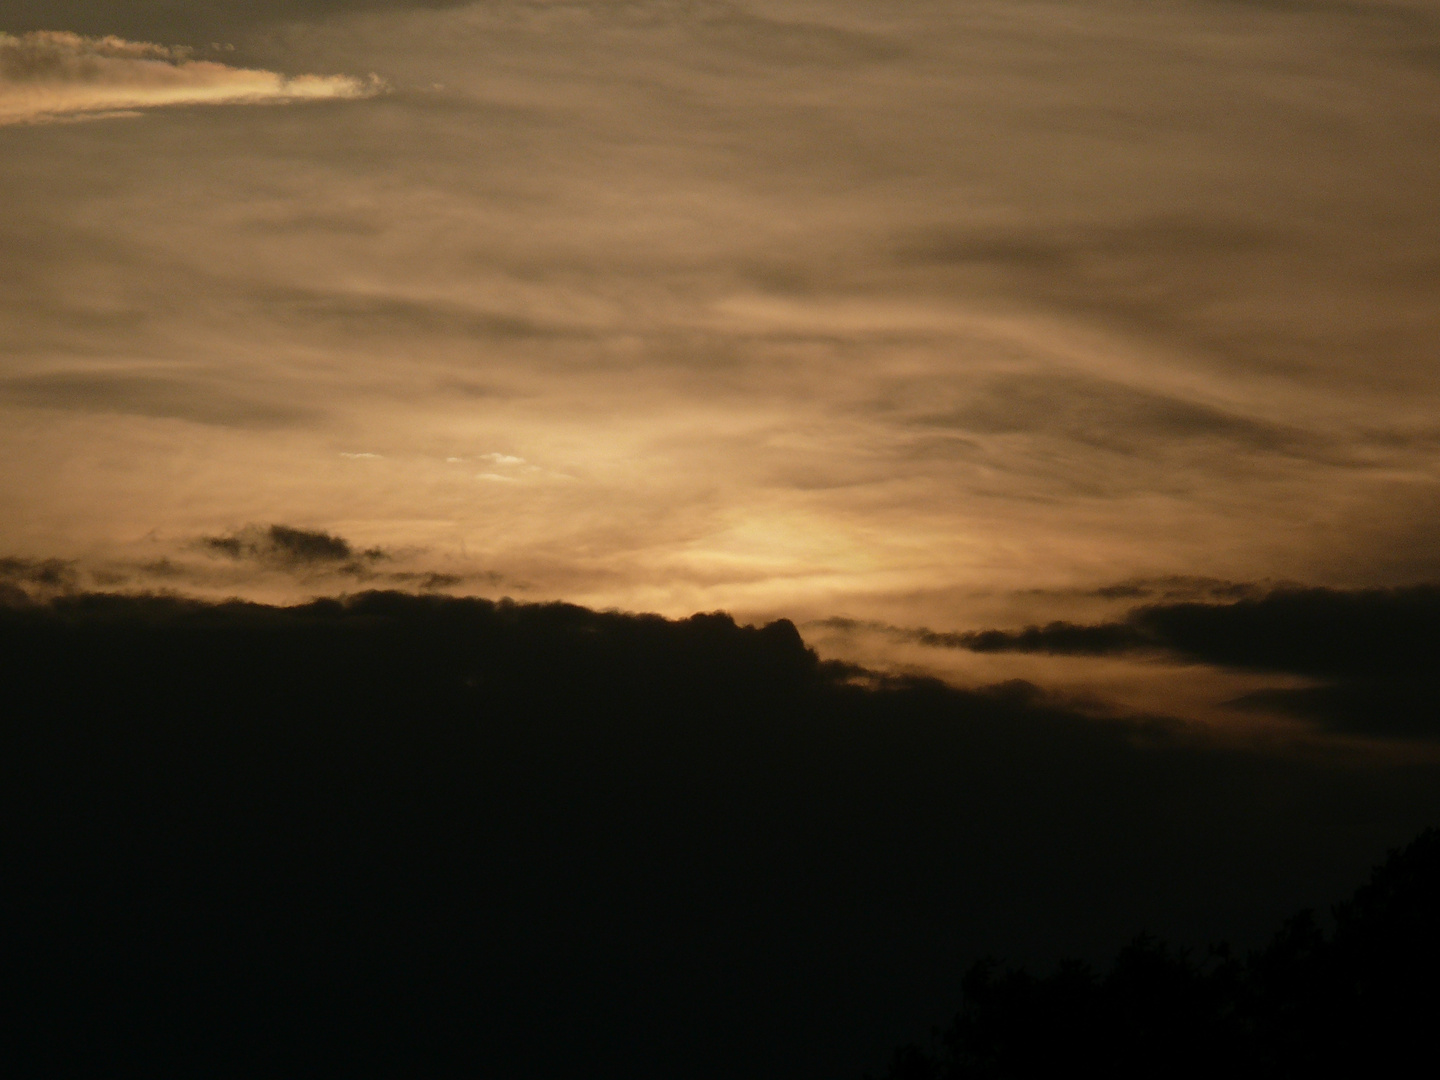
<point>288,546</point>
<point>308,552</point>
<point>398,835</point>
<point>1374,651</point>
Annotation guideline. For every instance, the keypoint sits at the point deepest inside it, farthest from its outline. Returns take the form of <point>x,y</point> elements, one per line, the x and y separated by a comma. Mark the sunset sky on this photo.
<point>883,317</point>
<point>572,539</point>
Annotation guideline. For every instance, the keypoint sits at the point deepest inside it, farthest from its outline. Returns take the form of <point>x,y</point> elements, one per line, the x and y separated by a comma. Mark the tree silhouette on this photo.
<point>1359,1000</point>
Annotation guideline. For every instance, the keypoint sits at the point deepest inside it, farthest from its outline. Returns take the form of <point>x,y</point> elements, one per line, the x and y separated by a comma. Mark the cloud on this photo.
<point>401,317</point>
<point>21,578</point>
<point>1108,415</point>
<point>314,553</point>
<point>196,398</point>
<point>285,545</point>
<point>1180,587</point>
<point>971,317</point>
<point>1303,631</point>
<point>53,75</point>
<point>200,21</point>
<point>492,823</point>
<point>271,561</point>
<point>1403,707</point>
<point>434,580</point>
<point>1373,649</point>
<point>1063,638</point>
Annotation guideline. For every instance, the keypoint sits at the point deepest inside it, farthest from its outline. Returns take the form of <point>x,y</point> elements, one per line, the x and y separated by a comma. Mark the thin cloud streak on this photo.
<point>46,76</point>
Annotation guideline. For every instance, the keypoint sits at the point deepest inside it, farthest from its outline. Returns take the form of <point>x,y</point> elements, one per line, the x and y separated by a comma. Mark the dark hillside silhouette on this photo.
<point>1360,1000</point>
<point>396,835</point>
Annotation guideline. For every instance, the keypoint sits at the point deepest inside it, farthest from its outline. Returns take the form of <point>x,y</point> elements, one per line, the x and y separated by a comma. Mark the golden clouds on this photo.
<point>47,76</point>
<point>788,309</point>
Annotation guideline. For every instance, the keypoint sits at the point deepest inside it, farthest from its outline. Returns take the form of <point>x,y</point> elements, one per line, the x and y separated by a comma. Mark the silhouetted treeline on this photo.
<point>397,835</point>
<point>1360,999</point>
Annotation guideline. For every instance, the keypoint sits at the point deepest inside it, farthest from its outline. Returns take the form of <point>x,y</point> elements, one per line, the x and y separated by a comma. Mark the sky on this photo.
<point>1040,396</point>
<point>890,319</point>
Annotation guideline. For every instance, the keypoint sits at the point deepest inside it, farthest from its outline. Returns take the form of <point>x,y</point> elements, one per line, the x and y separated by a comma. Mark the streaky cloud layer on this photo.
<point>930,314</point>
<point>50,75</point>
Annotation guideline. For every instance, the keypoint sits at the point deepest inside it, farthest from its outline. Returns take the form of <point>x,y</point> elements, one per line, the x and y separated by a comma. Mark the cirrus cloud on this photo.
<point>52,75</point>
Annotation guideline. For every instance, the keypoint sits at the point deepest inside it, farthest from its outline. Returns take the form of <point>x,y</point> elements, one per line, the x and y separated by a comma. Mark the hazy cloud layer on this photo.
<point>54,75</point>
<point>201,400</point>
<point>191,21</point>
<point>940,314</point>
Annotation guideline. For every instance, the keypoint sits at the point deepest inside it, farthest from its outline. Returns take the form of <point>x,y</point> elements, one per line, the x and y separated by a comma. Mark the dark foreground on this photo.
<point>1356,999</point>
<point>409,836</point>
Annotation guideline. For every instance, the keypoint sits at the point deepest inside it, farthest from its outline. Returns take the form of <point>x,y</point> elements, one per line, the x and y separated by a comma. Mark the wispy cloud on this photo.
<point>52,75</point>
<point>936,315</point>
<point>289,546</point>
